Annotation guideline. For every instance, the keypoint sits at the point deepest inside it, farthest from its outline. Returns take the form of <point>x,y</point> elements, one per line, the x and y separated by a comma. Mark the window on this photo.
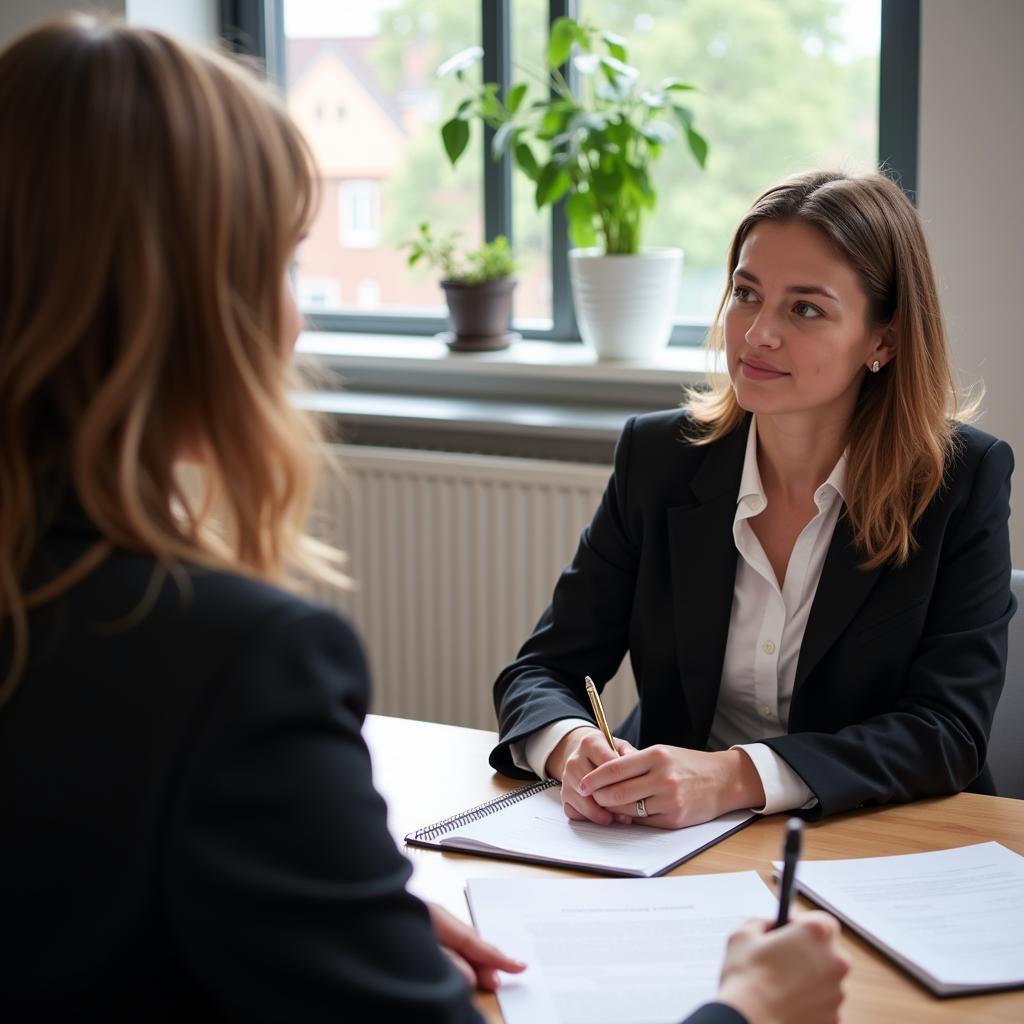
<point>317,293</point>
<point>784,85</point>
<point>367,294</point>
<point>359,80</point>
<point>359,214</point>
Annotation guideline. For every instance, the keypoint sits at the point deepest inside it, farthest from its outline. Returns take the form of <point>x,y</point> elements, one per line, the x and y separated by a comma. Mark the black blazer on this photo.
<point>900,669</point>
<point>188,825</point>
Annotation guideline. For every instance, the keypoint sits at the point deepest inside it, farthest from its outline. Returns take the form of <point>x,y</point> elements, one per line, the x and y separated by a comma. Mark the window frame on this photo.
<point>256,28</point>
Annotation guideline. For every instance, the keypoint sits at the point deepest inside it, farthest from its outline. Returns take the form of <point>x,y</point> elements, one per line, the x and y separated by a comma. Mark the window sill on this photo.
<point>534,399</point>
<point>537,359</point>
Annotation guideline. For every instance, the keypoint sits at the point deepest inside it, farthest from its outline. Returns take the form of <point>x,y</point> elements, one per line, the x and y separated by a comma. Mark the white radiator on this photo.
<point>454,558</point>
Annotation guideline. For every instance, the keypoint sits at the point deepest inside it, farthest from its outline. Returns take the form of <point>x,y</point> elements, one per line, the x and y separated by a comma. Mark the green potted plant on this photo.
<point>596,148</point>
<point>477,287</point>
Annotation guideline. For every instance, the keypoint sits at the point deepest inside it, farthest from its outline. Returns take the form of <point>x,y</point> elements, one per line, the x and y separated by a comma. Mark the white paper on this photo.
<point>538,827</point>
<point>613,951</point>
<point>955,917</point>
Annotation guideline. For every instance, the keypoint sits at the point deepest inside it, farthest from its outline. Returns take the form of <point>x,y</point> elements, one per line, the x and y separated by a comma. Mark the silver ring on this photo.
<point>641,809</point>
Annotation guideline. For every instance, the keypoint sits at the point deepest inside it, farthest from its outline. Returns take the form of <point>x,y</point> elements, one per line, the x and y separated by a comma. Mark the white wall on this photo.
<point>971,196</point>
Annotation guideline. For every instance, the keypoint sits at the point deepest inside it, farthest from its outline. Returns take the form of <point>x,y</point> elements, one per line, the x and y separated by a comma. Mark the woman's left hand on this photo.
<point>477,961</point>
<point>679,787</point>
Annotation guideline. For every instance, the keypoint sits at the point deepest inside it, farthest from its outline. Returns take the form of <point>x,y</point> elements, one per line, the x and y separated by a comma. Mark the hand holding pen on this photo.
<point>798,965</point>
<point>580,752</point>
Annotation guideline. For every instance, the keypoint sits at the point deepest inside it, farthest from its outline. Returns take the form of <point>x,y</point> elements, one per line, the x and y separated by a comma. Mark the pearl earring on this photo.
<point>876,366</point>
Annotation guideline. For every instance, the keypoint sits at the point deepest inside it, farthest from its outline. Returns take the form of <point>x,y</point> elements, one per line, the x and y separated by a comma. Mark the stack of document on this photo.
<point>954,919</point>
<point>650,950</point>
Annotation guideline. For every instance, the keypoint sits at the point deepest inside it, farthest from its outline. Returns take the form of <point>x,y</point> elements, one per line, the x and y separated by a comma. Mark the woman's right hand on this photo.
<point>477,961</point>
<point>792,975</point>
<point>579,752</point>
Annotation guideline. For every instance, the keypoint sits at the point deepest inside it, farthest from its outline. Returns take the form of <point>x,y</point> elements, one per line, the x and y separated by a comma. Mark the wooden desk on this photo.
<point>428,771</point>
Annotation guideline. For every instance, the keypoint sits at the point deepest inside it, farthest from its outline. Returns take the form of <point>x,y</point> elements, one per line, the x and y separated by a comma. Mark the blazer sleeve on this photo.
<point>587,623</point>
<point>933,742</point>
<point>282,886</point>
<point>716,1013</point>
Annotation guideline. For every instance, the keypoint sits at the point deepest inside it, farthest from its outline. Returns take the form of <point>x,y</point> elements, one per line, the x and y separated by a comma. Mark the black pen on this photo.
<point>790,856</point>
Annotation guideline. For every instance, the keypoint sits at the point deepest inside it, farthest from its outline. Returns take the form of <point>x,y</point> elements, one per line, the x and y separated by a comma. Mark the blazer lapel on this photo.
<point>703,567</point>
<point>842,589</point>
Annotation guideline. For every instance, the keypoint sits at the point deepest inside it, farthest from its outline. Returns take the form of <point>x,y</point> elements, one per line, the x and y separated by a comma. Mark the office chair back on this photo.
<point>1006,744</point>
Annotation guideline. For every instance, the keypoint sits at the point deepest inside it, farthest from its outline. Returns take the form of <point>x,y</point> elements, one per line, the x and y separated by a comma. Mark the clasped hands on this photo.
<point>679,787</point>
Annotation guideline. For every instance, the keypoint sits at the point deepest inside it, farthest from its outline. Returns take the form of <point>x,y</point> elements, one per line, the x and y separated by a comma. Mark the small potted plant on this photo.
<point>477,286</point>
<point>595,147</point>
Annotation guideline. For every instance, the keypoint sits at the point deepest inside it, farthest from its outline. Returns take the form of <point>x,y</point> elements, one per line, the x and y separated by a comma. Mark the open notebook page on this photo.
<point>537,828</point>
<point>613,951</point>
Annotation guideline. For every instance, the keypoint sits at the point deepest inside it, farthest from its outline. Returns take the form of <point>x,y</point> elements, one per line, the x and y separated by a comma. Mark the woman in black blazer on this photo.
<point>189,825</point>
<point>808,564</point>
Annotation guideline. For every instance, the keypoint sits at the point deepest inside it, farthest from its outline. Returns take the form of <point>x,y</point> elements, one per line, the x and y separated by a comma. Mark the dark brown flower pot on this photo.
<point>479,314</point>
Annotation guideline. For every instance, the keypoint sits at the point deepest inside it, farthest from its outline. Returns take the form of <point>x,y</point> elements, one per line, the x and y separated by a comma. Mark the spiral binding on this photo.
<point>498,803</point>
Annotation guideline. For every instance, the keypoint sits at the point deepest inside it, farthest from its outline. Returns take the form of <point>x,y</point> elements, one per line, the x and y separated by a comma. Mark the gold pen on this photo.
<point>595,703</point>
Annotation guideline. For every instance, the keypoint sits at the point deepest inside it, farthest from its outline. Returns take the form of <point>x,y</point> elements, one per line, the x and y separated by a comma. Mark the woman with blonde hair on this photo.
<point>190,829</point>
<point>189,825</point>
<point>808,564</point>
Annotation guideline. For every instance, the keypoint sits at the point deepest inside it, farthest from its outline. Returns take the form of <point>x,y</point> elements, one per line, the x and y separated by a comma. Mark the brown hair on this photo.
<point>902,434</point>
<point>151,195</point>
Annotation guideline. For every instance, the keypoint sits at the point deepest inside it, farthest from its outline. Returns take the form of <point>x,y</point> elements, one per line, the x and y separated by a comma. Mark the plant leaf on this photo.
<point>490,105</point>
<point>658,132</point>
<point>642,183</point>
<point>563,35</point>
<point>502,138</point>
<point>617,67</point>
<point>461,61</point>
<point>515,97</point>
<point>579,210</point>
<point>455,135</point>
<point>592,121</point>
<point>677,85</point>
<point>586,63</point>
<point>526,160</point>
<point>552,124</point>
<point>698,146</point>
<point>552,183</point>
<point>616,89</point>
<point>607,180</point>
<point>616,45</point>
<point>683,115</point>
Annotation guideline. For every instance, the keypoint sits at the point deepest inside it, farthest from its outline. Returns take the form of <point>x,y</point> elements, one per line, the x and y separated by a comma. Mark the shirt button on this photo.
<point>768,647</point>
<point>766,711</point>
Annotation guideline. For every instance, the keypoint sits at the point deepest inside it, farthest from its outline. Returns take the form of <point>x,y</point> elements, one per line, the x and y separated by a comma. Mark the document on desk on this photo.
<point>954,919</point>
<point>605,951</point>
<point>529,824</point>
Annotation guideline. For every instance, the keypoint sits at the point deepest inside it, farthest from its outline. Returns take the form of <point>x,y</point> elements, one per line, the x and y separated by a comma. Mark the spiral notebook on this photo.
<point>529,824</point>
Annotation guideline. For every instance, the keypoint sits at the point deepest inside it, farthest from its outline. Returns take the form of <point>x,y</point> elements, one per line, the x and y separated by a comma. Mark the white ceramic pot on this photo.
<point>625,305</point>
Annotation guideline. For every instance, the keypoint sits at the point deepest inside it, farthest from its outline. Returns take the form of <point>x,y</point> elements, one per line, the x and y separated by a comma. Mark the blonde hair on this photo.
<point>151,195</point>
<point>902,435</point>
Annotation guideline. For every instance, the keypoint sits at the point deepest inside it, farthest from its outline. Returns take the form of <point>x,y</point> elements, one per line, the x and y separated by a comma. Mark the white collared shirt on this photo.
<point>766,629</point>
